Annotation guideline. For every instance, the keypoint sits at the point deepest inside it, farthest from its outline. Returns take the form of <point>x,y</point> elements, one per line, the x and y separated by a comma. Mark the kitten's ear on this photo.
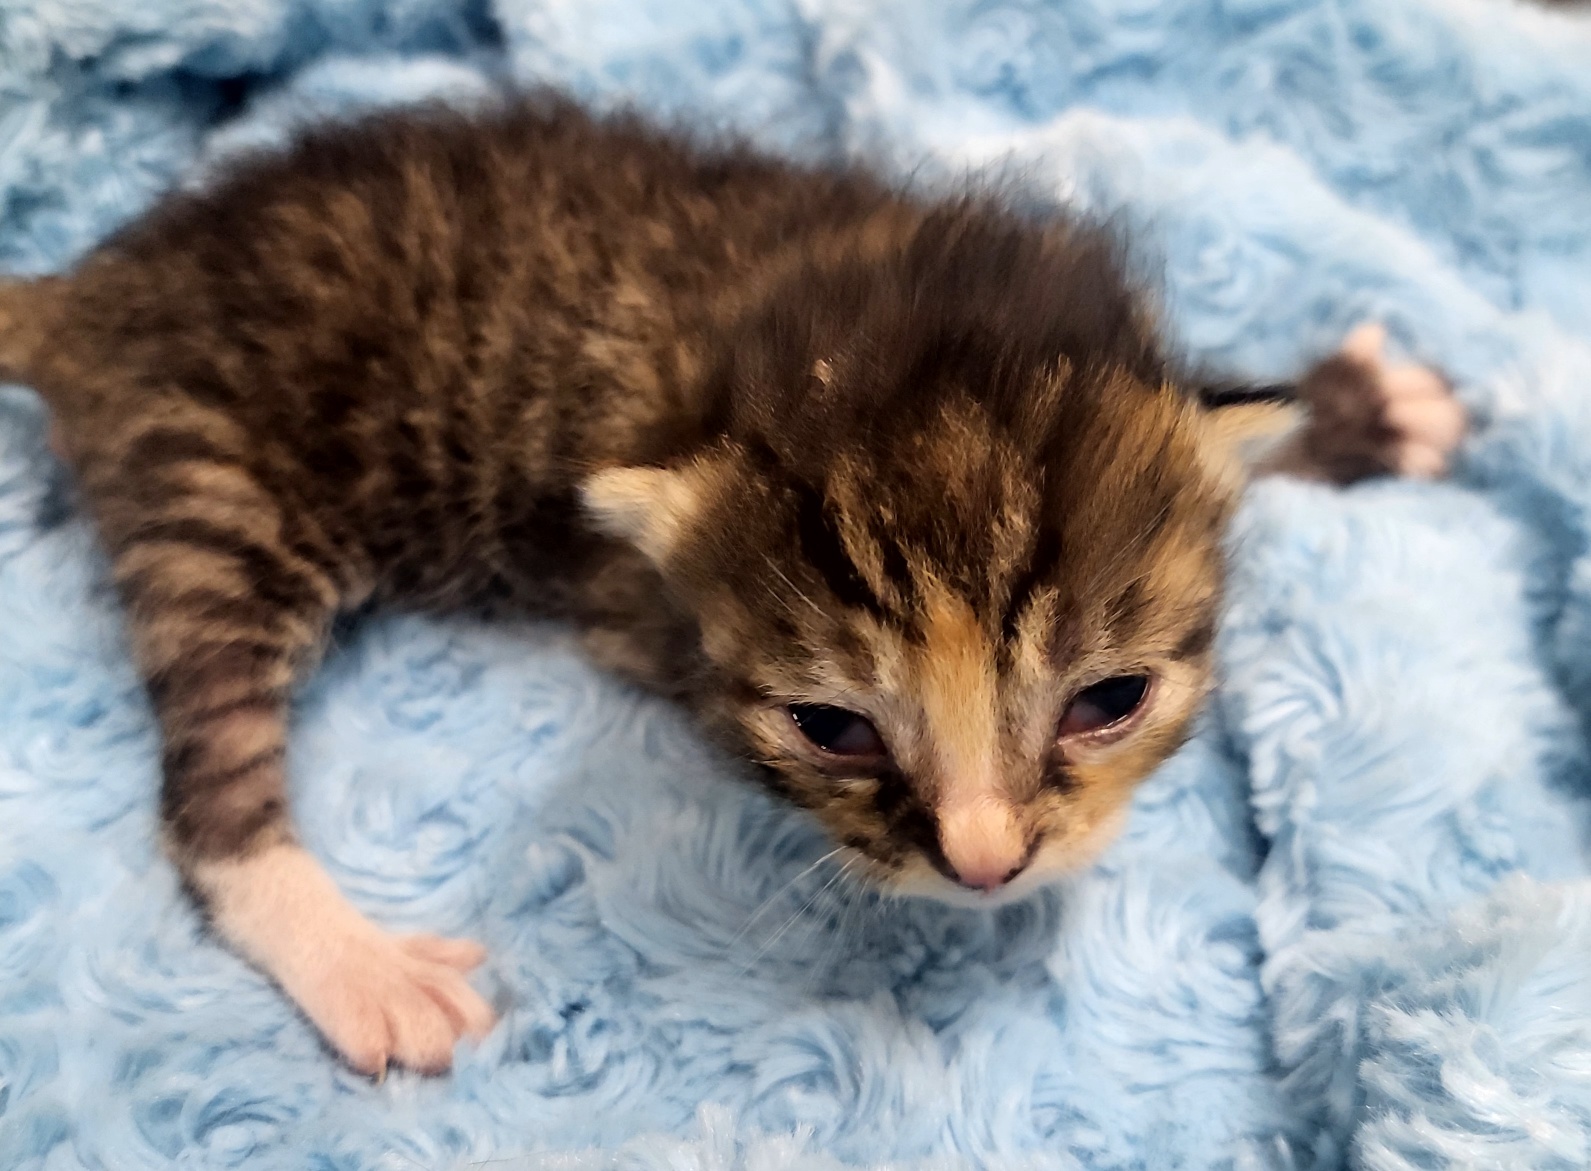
<point>1244,439</point>
<point>649,507</point>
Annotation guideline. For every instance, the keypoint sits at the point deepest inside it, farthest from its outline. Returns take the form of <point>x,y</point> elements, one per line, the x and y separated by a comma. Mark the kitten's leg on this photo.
<point>1368,418</point>
<point>223,615</point>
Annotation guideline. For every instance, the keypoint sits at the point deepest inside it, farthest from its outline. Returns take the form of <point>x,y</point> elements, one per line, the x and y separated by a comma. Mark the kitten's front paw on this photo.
<point>382,999</point>
<point>377,998</point>
<point>1369,418</point>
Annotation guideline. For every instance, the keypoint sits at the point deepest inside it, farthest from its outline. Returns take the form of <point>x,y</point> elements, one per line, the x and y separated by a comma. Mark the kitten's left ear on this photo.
<point>1243,440</point>
<point>650,507</point>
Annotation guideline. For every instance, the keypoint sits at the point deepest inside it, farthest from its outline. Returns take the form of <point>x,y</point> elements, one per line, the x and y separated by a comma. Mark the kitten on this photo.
<point>897,495</point>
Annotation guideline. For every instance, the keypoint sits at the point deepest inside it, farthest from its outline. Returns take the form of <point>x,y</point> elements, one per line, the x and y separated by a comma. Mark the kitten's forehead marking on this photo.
<point>958,689</point>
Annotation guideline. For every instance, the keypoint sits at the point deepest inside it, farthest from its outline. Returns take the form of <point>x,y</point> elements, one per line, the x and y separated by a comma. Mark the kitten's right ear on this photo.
<point>649,507</point>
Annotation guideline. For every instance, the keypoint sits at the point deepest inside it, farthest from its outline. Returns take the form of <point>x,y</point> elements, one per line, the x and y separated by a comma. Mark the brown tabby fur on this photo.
<point>767,434</point>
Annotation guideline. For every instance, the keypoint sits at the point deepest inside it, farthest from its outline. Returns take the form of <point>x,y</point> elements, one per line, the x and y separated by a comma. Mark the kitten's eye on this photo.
<point>1110,701</point>
<point>837,731</point>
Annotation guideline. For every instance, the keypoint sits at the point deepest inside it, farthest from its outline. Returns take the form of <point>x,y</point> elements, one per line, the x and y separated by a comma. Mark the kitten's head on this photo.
<point>955,553</point>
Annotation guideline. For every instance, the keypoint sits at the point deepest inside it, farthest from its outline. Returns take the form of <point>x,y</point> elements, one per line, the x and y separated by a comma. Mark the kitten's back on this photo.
<point>415,328</point>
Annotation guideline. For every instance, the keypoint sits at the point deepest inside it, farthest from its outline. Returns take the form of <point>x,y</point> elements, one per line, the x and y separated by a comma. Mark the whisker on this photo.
<point>789,923</point>
<point>849,912</point>
<point>793,587</point>
<point>824,904</point>
<point>778,894</point>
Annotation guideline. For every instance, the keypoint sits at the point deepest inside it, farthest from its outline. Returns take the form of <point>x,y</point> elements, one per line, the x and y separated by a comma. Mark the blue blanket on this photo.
<point>1350,925</point>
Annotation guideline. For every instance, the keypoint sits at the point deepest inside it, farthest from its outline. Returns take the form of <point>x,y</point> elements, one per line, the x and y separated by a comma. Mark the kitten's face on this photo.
<point>961,636</point>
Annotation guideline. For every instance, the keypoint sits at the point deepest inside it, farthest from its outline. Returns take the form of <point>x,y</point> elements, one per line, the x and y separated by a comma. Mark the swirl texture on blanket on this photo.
<point>1349,925</point>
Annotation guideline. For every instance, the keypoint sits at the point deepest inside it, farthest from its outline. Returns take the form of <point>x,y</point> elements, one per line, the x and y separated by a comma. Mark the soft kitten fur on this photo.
<point>769,435</point>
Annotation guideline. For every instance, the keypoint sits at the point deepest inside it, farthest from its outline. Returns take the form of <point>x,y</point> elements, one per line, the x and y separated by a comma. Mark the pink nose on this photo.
<point>982,841</point>
<point>987,879</point>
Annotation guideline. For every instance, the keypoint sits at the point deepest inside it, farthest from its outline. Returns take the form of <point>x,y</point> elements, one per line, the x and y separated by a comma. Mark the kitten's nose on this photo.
<point>982,841</point>
<point>986,880</point>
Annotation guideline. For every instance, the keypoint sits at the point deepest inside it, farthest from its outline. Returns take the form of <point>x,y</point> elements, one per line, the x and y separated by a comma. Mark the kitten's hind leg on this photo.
<point>223,615</point>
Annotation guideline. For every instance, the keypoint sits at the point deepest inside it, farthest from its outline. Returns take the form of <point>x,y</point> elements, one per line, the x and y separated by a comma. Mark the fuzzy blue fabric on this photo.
<point>1349,925</point>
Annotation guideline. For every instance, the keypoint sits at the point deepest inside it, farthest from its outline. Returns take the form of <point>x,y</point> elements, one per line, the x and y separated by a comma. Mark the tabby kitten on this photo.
<point>897,495</point>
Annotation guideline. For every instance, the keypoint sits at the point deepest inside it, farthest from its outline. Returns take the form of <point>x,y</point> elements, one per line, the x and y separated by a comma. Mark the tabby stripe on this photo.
<point>163,445</point>
<point>824,551</point>
<point>160,492</point>
<point>264,701</point>
<point>193,732</point>
<point>178,761</point>
<point>1195,642</point>
<point>260,647</point>
<point>150,568</point>
<point>224,818</point>
<point>1055,775</point>
<point>243,831</point>
<point>209,389</point>
<point>211,666</point>
<point>1044,557</point>
<point>247,614</point>
<point>276,580</point>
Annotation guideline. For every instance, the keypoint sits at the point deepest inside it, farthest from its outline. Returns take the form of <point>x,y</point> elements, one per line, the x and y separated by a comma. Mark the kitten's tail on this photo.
<point>25,309</point>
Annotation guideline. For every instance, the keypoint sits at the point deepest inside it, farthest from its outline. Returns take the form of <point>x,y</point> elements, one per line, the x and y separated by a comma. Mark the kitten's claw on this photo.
<point>1368,417</point>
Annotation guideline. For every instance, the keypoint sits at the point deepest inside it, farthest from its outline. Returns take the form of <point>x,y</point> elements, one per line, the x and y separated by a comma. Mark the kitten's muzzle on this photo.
<point>983,843</point>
